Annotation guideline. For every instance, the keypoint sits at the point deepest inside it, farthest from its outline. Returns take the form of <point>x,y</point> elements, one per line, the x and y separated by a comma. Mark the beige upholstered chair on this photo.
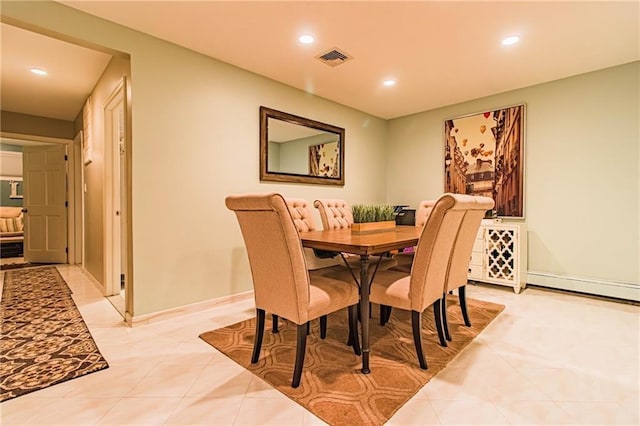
<point>336,214</point>
<point>424,286</point>
<point>459,267</point>
<point>423,212</point>
<point>303,219</point>
<point>282,284</point>
<point>405,259</point>
<point>302,215</point>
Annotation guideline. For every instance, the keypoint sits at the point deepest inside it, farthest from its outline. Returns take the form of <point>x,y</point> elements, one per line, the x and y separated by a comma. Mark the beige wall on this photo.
<point>581,173</point>
<point>195,140</point>
<point>13,122</point>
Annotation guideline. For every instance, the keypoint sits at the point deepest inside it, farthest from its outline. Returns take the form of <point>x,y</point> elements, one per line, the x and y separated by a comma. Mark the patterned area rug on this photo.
<point>44,338</point>
<point>22,265</point>
<point>332,387</point>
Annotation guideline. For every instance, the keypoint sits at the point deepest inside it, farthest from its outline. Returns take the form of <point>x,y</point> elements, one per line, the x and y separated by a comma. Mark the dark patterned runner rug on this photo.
<point>20,266</point>
<point>44,338</point>
<point>332,387</point>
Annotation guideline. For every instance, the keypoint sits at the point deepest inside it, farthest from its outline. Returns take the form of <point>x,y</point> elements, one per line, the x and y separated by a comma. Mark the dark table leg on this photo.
<point>364,310</point>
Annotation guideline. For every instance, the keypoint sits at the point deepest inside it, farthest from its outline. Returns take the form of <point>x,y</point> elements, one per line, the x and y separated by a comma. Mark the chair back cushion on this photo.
<point>423,212</point>
<point>334,213</point>
<point>280,277</point>
<point>302,215</point>
<point>459,268</point>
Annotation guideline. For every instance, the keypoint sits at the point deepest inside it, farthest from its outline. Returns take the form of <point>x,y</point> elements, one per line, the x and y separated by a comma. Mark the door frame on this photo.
<point>113,185</point>
<point>71,182</point>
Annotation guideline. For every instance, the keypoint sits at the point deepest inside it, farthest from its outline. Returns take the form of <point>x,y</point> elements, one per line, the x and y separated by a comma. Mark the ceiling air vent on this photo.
<point>334,57</point>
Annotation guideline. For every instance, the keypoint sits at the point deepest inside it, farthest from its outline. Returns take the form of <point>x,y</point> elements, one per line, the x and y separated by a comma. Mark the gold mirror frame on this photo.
<point>267,114</point>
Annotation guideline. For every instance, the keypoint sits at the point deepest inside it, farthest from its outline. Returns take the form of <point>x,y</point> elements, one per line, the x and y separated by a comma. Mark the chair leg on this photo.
<point>445,323</point>
<point>301,347</point>
<point>323,326</point>
<point>462,294</point>
<point>257,342</point>
<point>437,313</point>
<point>274,325</point>
<point>385,314</point>
<point>354,340</point>
<point>416,324</point>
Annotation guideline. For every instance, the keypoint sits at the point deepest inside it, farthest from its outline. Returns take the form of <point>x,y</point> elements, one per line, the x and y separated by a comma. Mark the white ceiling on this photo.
<point>73,72</point>
<point>440,52</point>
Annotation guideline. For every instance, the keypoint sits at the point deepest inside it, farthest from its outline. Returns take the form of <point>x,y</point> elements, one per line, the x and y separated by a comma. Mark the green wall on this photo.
<point>581,174</point>
<point>5,187</point>
<point>195,123</point>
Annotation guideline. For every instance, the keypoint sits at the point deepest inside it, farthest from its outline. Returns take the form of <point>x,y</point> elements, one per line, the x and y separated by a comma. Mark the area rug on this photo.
<point>44,338</point>
<point>332,387</point>
<point>21,265</point>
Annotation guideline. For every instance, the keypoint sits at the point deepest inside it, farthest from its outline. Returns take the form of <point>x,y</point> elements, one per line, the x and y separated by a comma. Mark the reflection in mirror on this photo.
<point>297,149</point>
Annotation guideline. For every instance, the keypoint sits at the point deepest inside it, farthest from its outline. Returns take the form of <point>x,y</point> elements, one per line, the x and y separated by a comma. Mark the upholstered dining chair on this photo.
<point>334,213</point>
<point>423,287</point>
<point>459,266</point>
<point>282,283</point>
<point>405,259</point>
<point>302,214</point>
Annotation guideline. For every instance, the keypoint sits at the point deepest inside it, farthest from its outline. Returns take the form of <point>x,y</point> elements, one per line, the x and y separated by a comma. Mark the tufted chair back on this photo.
<point>423,212</point>
<point>302,216</point>
<point>334,213</point>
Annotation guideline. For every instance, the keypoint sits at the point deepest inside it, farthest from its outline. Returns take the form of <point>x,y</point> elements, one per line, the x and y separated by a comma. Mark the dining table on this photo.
<point>364,244</point>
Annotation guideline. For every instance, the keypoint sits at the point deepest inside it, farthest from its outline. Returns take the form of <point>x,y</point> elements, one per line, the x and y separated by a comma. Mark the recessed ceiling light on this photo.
<point>389,82</point>
<point>510,40</point>
<point>38,71</point>
<point>306,39</point>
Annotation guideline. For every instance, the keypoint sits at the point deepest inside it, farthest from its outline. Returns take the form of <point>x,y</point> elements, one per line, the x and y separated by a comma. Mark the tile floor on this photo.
<point>549,358</point>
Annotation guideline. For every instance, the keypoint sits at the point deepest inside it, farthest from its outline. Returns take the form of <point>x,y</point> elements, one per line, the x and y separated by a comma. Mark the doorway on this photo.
<point>43,185</point>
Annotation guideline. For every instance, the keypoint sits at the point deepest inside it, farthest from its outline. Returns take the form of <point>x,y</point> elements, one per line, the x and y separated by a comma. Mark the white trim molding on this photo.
<point>187,309</point>
<point>616,289</point>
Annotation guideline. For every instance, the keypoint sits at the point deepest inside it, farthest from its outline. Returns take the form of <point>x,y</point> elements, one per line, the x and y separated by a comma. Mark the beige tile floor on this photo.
<point>549,358</point>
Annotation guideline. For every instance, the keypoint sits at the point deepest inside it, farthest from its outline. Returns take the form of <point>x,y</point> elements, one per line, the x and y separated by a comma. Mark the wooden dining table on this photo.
<point>365,245</point>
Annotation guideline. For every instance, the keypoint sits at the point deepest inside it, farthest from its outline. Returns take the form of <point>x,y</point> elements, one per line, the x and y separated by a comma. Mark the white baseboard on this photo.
<point>94,281</point>
<point>618,290</point>
<point>187,309</point>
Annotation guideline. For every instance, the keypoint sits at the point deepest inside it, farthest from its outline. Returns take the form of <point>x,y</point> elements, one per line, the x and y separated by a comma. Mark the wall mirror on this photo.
<point>300,150</point>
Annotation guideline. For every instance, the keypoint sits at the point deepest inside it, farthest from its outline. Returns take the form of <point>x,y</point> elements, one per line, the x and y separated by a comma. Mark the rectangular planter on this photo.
<point>358,228</point>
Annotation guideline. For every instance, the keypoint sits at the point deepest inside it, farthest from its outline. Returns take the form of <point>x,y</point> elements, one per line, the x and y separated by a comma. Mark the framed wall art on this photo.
<point>484,155</point>
<point>324,160</point>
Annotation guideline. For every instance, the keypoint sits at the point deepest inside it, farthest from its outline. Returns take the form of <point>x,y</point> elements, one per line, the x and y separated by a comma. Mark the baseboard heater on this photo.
<point>618,290</point>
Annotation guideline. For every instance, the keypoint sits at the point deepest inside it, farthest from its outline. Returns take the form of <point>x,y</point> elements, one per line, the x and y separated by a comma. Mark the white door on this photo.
<point>45,197</point>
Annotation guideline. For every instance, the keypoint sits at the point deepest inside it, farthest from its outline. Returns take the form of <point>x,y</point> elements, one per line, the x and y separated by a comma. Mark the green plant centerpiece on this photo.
<point>372,218</point>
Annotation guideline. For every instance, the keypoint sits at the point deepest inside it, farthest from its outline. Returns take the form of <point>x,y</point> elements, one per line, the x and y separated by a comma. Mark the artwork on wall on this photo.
<point>324,160</point>
<point>484,155</point>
